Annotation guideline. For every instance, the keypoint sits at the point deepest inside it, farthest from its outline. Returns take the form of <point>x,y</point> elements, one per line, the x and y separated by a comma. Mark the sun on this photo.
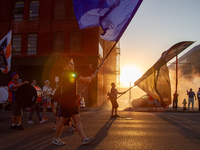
<point>129,74</point>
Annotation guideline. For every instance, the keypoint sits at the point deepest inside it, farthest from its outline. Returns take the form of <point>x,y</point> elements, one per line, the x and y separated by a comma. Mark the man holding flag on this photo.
<point>112,15</point>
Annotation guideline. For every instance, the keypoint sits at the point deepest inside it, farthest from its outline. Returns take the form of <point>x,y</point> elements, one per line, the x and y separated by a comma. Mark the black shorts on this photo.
<point>114,103</point>
<point>68,112</point>
<point>16,109</point>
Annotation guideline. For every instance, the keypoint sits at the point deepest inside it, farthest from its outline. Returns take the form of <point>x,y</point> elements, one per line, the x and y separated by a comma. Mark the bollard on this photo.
<point>184,104</point>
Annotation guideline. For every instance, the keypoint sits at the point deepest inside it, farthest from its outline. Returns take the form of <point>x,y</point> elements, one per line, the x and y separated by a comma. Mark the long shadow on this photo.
<point>32,141</point>
<point>101,134</point>
<point>186,129</point>
<point>36,141</point>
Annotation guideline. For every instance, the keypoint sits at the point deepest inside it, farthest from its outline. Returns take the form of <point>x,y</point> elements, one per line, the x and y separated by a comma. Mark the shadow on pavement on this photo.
<point>103,132</point>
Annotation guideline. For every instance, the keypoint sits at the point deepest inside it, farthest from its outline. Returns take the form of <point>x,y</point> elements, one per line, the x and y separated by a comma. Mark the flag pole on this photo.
<point>105,58</point>
<point>117,39</point>
<point>125,91</point>
<point>101,64</point>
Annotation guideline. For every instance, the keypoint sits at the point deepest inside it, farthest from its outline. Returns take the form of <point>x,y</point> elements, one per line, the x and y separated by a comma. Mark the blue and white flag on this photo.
<point>112,15</point>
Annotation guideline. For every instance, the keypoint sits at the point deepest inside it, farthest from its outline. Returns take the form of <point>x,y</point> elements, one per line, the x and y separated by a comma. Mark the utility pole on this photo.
<point>130,95</point>
<point>175,98</point>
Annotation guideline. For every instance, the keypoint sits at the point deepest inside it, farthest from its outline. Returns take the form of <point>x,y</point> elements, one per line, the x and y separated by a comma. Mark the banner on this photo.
<point>5,53</point>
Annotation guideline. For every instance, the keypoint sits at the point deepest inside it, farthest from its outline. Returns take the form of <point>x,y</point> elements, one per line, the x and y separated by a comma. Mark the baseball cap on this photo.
<point>14,74</point>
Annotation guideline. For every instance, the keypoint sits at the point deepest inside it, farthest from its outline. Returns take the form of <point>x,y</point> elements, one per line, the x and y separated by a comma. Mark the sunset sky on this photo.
<point>157,25</point>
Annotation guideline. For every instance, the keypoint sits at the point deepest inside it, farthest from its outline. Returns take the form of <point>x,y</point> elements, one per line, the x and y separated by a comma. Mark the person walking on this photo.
<point>47,93</point>
<point>191,96</point>
<point>12,88</point>
<point>198,96</point>
<point>70,109</point>
<point>36,107</point>
<point>113,99</point>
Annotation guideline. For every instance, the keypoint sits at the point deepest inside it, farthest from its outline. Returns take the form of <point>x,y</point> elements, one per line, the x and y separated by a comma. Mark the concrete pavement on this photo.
<point>139,130</point>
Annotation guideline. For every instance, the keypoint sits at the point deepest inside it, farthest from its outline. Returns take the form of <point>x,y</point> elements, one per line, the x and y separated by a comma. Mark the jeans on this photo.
<point>35,107</point>
<point>189,101</point>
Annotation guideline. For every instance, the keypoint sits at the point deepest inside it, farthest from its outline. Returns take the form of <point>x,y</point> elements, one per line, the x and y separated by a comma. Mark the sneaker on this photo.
<point>112,116</point>
<point>19,127</point>
<point>87,140</point>
<point>116,116</point>
<point>71,129</point>
<point>13,127</point>
<point>30,122</point>
<point>43,121</point>
<point>58,142</point>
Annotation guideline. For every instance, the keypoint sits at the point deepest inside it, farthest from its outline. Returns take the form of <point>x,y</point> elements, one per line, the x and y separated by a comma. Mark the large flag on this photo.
<point>5,53</point>
<point>156,81</point>
<point>112,15</point>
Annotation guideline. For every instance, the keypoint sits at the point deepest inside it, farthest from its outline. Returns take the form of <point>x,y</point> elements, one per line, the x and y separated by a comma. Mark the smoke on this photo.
<point>185,82</point>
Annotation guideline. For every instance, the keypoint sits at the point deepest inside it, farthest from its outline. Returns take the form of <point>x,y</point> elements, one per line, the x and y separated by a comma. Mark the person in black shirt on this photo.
<point>70,108</point>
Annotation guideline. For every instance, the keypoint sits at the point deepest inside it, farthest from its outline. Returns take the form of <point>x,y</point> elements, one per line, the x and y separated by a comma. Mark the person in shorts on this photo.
<point>113,99</point>
<point>47,100</point>
<point>12,88</point>
<point>70,109</point>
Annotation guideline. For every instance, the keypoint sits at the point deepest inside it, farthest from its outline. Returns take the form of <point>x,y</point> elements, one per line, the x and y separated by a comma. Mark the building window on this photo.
<point>34,10</point>
<point>59,42</point>
<point>60,9</point>
<point>32,44</point>
<point>16,43</point>
<point>18,10</point>
<point>75,42</point>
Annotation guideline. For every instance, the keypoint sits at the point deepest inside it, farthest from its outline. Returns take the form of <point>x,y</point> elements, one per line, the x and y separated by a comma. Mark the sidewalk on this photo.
<point>160,109</point>
<point>108,106</point>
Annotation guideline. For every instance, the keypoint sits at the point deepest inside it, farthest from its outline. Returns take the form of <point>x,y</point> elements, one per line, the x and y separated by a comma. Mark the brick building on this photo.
<point>42,32</point>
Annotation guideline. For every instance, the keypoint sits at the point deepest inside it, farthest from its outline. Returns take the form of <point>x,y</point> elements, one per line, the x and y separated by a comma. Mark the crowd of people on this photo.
<point>64,112</point>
